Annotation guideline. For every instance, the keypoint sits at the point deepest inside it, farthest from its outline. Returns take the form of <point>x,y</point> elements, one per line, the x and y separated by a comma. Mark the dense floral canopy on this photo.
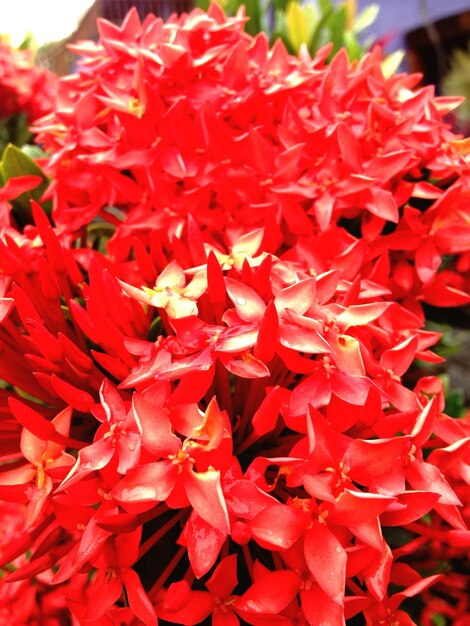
<point>207,411</point>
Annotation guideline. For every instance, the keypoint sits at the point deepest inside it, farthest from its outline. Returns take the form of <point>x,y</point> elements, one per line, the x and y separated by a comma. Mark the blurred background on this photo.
<point>430,31</point>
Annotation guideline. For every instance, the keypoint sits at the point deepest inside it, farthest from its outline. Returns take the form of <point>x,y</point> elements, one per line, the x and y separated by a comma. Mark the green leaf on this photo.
<point>392,62</point>
<point>9,567</point>
<point>355,50</point>
<point>366,17</point>
<point>16,163</point>
<point>98,234</point>
<point>326,6</point>
<point>280,31</point>
<point>280,6</point>
<point>33,152</point>
<point>455,403</point>
<point>317,40</point>
<point>254,12</point>
<point>439,620</point>
<point>28,42</point>
<point>156,329</point>
<point>338,28</point>
<point>20,133</point>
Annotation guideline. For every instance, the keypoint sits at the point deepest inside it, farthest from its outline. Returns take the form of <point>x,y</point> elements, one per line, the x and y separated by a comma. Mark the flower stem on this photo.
<point>151,541</point>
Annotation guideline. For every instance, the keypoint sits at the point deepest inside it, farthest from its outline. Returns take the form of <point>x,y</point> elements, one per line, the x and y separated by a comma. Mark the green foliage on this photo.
<point>98,234</point>
<point>450,347</point>
<point>15,162</point>
<point>457,82</point>
<point>439,620</point>
<point>451,339</point>
<point>314,24</point>
<point>454,397</point>
<point>19,162</point>
<point>14,129</point>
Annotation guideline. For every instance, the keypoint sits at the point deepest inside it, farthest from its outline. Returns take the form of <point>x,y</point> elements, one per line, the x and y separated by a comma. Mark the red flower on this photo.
<point>25,88</point>
<point>207,355</point>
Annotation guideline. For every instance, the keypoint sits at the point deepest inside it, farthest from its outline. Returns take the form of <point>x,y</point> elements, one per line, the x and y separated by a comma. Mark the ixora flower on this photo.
<point>26,88</point>
<point>195,117</point>
<point>207,413</point>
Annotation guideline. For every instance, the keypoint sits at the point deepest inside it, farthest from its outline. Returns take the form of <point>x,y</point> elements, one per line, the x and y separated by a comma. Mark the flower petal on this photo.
<point>326,559</point>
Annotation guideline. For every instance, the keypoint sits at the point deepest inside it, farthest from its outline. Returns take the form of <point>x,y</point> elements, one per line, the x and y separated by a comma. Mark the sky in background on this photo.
<point>396,17</point>
<point>47,20</point>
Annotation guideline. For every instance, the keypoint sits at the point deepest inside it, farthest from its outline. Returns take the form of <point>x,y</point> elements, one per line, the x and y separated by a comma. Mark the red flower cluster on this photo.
<point>25,88</point>
<point>208,416</point>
